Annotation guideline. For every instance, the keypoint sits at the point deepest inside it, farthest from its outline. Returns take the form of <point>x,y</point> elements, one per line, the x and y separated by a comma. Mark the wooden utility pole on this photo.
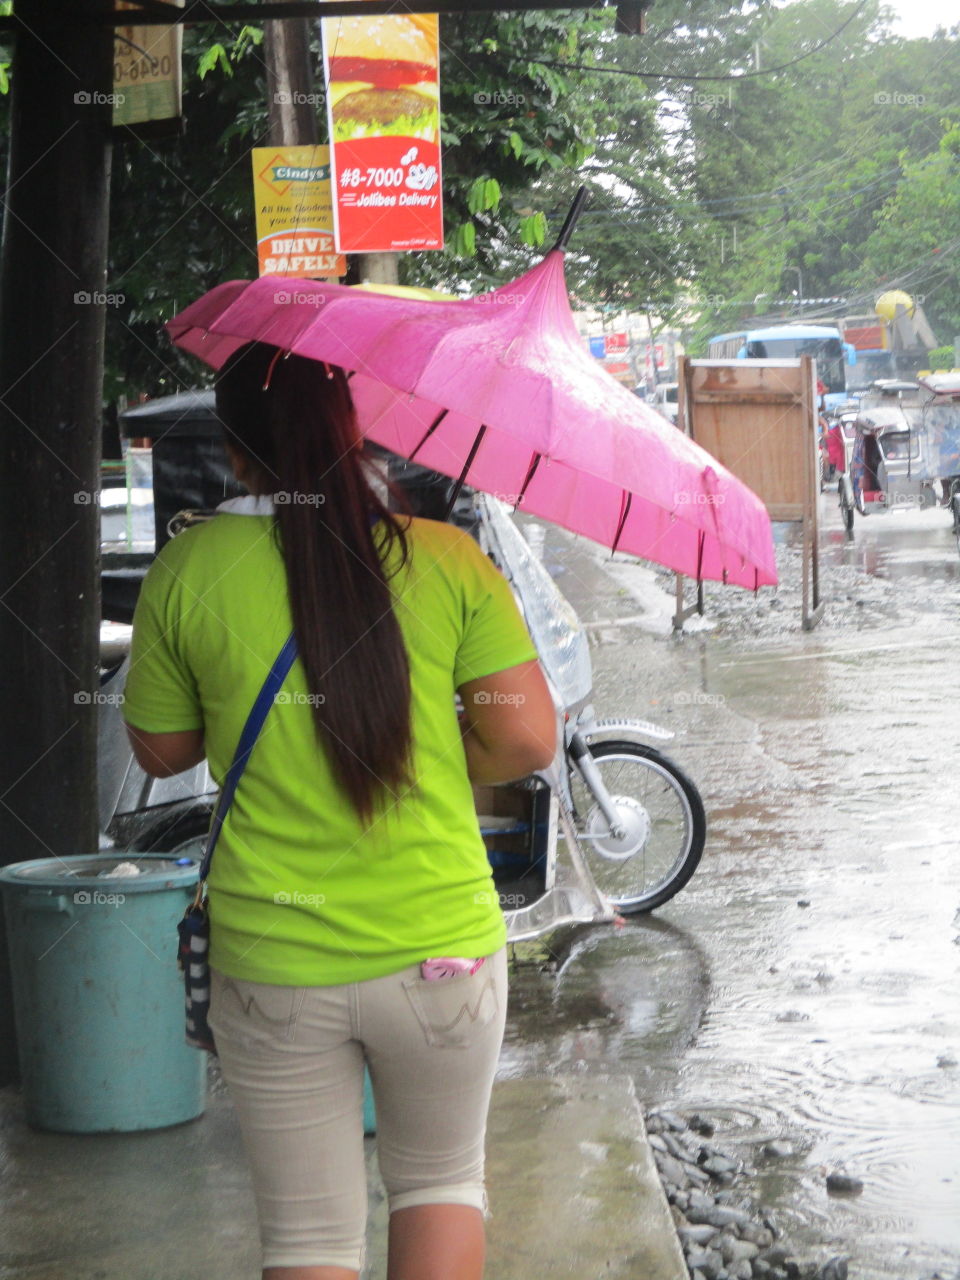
<point>291,92</point>
<point>52,307</point>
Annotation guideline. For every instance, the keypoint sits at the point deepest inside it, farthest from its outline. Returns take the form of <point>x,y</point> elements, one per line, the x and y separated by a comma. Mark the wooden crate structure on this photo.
<point>759,419</point>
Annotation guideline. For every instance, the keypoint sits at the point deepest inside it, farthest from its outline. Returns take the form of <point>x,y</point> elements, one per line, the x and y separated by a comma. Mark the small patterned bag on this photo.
<point>193,952</point>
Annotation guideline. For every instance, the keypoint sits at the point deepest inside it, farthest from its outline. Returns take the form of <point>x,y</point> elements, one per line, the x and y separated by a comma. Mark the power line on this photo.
<point>689,75</point>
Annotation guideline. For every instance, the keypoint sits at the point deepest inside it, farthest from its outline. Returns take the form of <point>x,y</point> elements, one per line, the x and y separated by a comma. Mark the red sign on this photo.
<point>617,366</point>
<point>617,343</point>
<point>383,108</point>
<point>865,337</point>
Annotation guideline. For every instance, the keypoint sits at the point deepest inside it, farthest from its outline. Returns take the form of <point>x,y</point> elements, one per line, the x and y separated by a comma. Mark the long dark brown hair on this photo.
<point>295,421</point>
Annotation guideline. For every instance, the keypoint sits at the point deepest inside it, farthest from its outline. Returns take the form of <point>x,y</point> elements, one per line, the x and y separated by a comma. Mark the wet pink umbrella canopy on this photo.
<point>503,382</point>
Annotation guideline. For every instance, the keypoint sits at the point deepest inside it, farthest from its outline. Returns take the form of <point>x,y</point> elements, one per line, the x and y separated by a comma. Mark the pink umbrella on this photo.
<point>500,392</point>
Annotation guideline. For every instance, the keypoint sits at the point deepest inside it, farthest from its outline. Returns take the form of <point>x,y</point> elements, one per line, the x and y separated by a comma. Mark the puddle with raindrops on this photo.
<point>804,985</point>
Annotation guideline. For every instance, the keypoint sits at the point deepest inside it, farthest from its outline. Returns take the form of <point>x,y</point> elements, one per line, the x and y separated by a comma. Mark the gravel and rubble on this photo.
<point>724,1233</point>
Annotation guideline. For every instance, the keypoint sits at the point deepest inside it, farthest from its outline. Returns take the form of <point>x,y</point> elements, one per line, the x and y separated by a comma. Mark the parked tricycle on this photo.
<point>906,449</point>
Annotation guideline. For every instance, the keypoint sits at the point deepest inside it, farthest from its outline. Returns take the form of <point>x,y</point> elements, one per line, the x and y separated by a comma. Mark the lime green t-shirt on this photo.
<point>300,893</point>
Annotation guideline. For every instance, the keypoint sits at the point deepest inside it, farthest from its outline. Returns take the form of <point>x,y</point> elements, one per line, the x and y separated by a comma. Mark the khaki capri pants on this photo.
<point>293,1061</point>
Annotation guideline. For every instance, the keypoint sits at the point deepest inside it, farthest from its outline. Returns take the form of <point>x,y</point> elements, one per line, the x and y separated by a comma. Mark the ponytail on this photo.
<point>294,420</point>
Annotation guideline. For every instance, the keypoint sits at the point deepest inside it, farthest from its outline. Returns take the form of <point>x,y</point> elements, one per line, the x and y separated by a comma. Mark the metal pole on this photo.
<point>573,217</point>
<point>52,307</point>
<point>799,287</point>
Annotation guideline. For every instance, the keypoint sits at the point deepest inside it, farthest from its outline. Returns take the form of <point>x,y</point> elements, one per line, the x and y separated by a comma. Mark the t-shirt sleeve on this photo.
<point>161,693</point>
<point>495,635</point>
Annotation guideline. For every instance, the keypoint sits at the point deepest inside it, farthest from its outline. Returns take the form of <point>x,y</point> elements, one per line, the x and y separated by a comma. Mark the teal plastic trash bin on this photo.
<point>98,995</point>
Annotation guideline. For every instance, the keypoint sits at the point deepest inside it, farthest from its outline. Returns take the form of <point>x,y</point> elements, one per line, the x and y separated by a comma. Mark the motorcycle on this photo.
<point>631,822</point>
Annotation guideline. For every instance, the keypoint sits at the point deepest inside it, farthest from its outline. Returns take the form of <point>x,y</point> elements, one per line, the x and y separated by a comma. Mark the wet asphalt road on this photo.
<point>804,986</point>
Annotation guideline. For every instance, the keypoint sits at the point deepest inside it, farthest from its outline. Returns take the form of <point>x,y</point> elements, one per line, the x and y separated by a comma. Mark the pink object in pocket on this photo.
<point>448,967</point>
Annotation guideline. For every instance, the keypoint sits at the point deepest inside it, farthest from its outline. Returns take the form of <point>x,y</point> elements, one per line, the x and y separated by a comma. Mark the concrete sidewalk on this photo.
<point>573,1189</point>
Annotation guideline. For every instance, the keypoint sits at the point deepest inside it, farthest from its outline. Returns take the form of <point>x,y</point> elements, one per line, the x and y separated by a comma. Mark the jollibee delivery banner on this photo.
<point>291,190</point>
<point>383,108</point>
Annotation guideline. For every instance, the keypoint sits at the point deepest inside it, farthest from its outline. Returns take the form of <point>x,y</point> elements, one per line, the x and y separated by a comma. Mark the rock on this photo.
<point>777,1256</point>
<point>672,1121</point>
<point>719,1165</point>
<point>835,1269</point>
<point>792,1015</point>
<point>844,1184</point>
<point>713,1267</point>
<point>699,1203</point>
<point>779,1149</point>
<point>657,1142</point>
<point>696,1174</point>
<point>721,1216</point>
<point>676,1147</point>
<point>700,1124</point>
<point>762,1237</point>
<point>654,1125</point>
<point>700,1234</point>
<point>671,1170</point>
<point>743,1271</point>
<point>760,1268</point>
<point>803,902</point>
<point>697,1261</point>
<point>742,1251</point>
<point>724,1242</point>
<point>945,1060</point>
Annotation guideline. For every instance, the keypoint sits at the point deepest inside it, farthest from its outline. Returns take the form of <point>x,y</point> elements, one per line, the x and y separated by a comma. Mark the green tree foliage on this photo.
<point>181,210</point>
<point>916,241</point>
<point>804,161</point>
<point>943,358</point>
<point>510,114</point>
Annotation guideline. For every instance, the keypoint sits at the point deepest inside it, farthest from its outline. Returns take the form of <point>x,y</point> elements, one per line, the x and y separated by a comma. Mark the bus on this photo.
<point>787,342</point>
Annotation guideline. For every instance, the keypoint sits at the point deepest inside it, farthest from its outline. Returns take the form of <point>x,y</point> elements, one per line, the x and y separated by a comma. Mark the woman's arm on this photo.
<point>164,754</point>
<point>509,724</point>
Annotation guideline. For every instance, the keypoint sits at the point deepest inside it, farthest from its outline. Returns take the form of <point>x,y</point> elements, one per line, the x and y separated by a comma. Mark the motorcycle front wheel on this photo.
<point>662,826</point>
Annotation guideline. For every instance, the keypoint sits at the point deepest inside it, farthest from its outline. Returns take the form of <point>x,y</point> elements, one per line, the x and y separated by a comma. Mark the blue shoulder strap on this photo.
<point>251,731</point>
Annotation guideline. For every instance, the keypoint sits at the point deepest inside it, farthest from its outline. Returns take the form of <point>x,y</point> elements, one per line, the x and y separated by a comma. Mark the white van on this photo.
<point>665,399</point>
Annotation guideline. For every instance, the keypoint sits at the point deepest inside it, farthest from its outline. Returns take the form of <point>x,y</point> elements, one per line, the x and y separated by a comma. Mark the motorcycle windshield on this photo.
<point>553,624</point>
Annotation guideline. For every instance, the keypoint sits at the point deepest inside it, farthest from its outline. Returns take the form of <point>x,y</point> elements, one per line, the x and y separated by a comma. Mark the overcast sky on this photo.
<point>922,17</point>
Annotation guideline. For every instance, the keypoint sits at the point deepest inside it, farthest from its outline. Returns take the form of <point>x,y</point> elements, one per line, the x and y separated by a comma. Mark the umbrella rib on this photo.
<point>623,520</point>
<point>531,472</point>
<point>700,544</point>
<point>428,433</point>
<point>458,484</point>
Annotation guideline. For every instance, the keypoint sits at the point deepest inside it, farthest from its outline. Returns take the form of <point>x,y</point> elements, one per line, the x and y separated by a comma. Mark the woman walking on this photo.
<point>351,855</point>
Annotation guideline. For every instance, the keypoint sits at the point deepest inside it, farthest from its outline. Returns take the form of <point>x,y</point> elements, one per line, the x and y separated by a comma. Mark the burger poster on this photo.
<point>383,108</point>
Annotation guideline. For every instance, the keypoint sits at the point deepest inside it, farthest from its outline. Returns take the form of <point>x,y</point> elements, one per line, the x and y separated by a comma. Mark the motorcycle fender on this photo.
<point>638,728</point>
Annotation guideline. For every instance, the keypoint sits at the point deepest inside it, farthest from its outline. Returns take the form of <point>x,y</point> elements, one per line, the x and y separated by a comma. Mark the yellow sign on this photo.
<point>146,72</point>
<point>291,189</point>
